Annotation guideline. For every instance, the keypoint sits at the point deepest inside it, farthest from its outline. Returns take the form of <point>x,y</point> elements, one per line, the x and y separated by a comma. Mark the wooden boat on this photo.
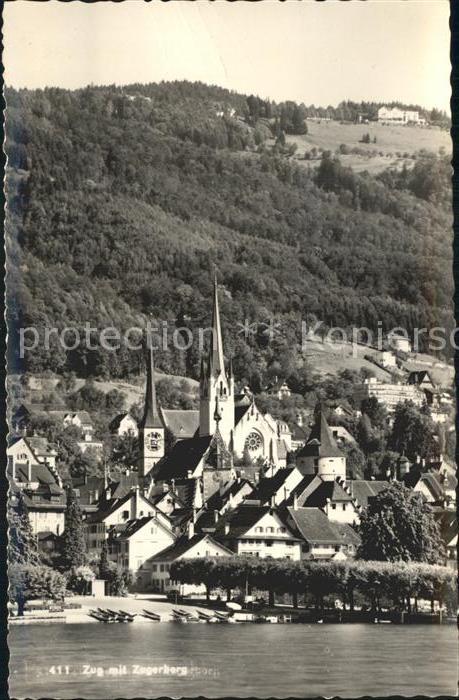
<point>129,616</point>
<point>203,615</point>
<point>151,615</point>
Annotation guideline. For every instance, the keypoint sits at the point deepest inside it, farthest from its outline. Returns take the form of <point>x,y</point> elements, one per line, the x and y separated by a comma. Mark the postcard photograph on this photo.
<point>230,349</point>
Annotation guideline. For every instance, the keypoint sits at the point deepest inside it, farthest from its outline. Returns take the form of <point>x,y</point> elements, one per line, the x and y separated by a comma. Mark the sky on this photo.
<point>312,52</point>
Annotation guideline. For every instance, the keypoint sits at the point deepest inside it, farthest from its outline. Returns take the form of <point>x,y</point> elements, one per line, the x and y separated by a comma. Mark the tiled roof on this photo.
<point>327,490</point>
<point>269,486</point>
<point>362,490</point>
<point>282,451</point>
<point>182,424</point>
<point>40,473</point>
<point>314,527</point>
<point>123,484</point>
<point>130,527</point>
<point>300,490</point>
<point>182,545</point>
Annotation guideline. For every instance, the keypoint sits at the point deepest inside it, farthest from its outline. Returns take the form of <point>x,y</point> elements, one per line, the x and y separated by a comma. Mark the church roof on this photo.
<point>240,410</point>
<point>151,417</point>
<point>321,442</point>
<point>184,456</point>
<point>216,358</point>
<point>182,423</point>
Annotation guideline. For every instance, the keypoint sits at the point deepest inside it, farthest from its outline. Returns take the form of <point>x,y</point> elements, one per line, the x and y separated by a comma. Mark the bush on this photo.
<point>79,580</point>
<point>28,582</point>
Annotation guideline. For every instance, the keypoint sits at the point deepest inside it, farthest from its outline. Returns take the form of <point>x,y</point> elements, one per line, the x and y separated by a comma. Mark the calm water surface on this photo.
<point>234,660</point>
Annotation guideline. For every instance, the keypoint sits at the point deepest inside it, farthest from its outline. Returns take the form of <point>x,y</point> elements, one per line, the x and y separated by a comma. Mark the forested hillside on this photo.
<point>122,201</point>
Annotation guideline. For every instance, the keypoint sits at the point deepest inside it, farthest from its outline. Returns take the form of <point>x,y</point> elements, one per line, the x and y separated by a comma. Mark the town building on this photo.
<point>117,512</point>
<point>42,492</point>
<point>279,388</point>
<point>156,570</point>
<point>124,424</point>
<point>394,115</point>
<point>258,531</point>
<point>388,394</point>
<point>321,538</point>
<point>132,543</point>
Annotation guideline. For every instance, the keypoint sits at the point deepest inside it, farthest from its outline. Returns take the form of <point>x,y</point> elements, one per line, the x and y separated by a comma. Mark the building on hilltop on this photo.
<point>388,394</point>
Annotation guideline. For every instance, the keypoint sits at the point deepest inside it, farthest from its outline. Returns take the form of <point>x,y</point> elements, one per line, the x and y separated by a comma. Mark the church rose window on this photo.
<point>254,442</point>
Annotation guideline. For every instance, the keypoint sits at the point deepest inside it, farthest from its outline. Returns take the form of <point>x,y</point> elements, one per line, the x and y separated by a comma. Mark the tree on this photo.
<point>73,543</point>
<point>412,432</point>
<point>398,525</point>
<point>104,568</point>
<point>28,582</point>
<point>22,543</point>
<point>125,451</point>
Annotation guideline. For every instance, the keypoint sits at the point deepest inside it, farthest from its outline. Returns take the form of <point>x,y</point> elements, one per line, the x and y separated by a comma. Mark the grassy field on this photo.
<point>395,145</point>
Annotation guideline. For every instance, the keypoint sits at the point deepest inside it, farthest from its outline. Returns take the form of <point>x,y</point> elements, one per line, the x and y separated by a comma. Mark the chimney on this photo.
<point>189,474</point>
<point>29,471</point>
<point>272,502</point>
<point>227,528</point>
<point>190,529</point>
<point>127,472</point>
<point>216,516</point>
<point>295,501</point>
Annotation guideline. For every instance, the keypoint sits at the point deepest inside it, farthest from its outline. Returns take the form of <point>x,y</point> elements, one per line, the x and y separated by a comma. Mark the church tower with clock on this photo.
<point>216,384</point>
<point>151,426</point>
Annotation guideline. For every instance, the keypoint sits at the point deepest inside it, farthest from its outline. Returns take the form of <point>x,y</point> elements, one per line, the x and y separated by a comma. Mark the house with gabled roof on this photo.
<point>156,570</point>
<point>321,538</point>
<point>117,512</point>
<point>258,531</point>
<point>363,490</point>
<point>274,490</point>
<point>132,543</point>
<point>123,424</point>
<point>42,492</point>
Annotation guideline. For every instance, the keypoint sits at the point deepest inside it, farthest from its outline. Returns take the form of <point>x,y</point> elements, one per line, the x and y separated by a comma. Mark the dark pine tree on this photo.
<point>22,544</point>
<point>73,544</point>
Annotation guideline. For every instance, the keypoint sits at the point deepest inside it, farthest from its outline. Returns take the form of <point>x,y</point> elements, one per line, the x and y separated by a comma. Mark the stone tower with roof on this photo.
<point>321,455</point>
<point>216,384</point>
<point>151,428</point>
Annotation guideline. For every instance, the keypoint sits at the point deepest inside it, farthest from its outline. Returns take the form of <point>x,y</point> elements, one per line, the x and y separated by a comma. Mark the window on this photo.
<point>269,544</point>
<point>333,505</point>
<point>269,529</point>
<point>154,567</point>
<point>258,529</point>
<point>153,530</point>
<point>166,567</point>
<point>161,567</point>
<point>344,506</point>
<point>282,530</point>
<point>125,515</point>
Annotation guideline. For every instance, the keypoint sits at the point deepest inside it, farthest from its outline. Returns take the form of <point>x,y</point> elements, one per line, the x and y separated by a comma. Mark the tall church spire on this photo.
<point>217,362</point>
<point>151,417</point>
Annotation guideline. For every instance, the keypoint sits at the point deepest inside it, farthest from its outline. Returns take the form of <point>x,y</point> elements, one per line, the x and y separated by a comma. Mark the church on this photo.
<point>232,435</point>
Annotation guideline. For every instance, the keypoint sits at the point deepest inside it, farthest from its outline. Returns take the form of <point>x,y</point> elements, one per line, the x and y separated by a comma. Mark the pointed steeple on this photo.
<point>217,361</point>
<point>151,417</point>
<point>321,438</point>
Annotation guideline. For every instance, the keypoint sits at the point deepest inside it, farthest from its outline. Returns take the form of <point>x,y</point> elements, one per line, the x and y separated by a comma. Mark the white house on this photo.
<point>322,539</point>
<point>156,570</point>
<point>124,424</point>
<point>258,531</point>
<point>132,543</point>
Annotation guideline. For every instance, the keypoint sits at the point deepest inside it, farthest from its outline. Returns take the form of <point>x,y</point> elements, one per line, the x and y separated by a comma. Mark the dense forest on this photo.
<point>123,200</point>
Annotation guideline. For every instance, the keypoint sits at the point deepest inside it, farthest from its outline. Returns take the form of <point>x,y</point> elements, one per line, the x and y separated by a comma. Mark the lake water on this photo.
<point>112,661</point>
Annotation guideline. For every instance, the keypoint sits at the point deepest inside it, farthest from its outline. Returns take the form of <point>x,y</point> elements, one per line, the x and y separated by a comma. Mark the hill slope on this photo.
<point>123,200</point>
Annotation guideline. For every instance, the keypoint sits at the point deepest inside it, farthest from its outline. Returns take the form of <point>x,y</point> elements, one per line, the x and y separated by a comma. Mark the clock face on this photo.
<point>154,441</point>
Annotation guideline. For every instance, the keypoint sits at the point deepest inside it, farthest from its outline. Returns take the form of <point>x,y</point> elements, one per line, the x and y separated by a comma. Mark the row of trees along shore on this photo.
<point>373,583</point>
